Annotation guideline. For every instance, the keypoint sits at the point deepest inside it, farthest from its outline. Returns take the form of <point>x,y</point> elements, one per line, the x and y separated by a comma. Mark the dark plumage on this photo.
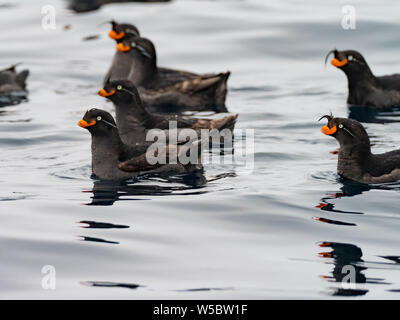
<point>11,81</point>
<point>121,63</point>
<point>163,87</point>
<point>134,120</point>
<point>365,89</point>
<point>90,5</point>
<point>12,86</point>
<point>356,161</point>
<point>114,160</point>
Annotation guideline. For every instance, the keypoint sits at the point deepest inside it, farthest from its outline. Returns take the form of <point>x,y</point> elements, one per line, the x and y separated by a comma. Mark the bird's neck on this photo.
<point>131,116</point>
<point>119,69</point>
<point>142,73</point>
<point>106,150</point>
<point>359,83</point>
<point>352,161</point>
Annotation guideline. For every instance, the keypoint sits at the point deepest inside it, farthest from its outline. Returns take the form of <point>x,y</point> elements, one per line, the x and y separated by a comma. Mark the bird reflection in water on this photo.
<point>99,225</point>
<point>347,257</point>
<point>369,115</point>
<point>93,239</point>
<point>348,189</point>
<point>105,193</point>
<point>107,284</point>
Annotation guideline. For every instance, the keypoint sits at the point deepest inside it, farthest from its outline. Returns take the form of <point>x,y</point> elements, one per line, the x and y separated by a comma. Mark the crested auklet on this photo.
<point>163,87</point>
<point>114,160</point>
<point>356,161</point>
<point>365,89</point>
<point>121,63</point>
<point>119,31</point>
<point>134,120</point>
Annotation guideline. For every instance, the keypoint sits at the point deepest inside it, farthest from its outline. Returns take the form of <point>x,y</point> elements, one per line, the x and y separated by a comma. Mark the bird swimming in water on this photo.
<point>114,160</point>
<point>356,161</point>
<point>366,89</point>
<point>134,121</point>
<point>121,63</point>
<point>119,31</point>
<point>163,88</point>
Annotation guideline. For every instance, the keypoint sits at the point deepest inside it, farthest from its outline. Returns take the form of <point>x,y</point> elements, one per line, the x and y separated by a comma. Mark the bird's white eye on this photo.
<point>133,44</point>
<point>340,126</point>
<point>350,58</point>
<point>119,87</point>
<point>99,118</point>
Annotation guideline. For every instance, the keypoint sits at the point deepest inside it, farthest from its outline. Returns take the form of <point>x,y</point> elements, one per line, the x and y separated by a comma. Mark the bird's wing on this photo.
<point>390,81</point>
<point>200,83</point>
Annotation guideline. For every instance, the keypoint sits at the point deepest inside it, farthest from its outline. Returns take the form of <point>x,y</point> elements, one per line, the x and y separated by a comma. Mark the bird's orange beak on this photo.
<point>328,131</point>
<point>123,48</point>
<point>337,63</point>
<point>116,36</point>
<point>84,124</point>
<point>104,93</point>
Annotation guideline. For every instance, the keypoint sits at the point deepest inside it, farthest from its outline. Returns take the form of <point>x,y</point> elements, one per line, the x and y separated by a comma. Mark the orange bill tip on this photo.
<point>121,47</point>
<point>325,254</point>
<point>321,205</point>
<point>337,63</point>
<point>116,36</point>
<point>325,244</point>
<point>84,124</point>
<point>104,93</point>
<point>328,131</point>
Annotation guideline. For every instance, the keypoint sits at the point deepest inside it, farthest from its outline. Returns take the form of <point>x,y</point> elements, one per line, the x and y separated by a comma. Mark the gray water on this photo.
<point>244,234</point>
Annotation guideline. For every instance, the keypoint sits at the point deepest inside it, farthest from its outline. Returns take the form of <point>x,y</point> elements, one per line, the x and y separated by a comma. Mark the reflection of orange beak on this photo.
<point>121,47</point>
<point>328,131</point>
<point>116,36</point>
<point>337,63</point>
<point>104,93</point>
<point>84,124</point>
<point>325,244</point>
<point>325,254</point>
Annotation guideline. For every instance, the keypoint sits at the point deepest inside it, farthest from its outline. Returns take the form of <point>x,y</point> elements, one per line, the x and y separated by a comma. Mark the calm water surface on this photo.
<point>283,230</point>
